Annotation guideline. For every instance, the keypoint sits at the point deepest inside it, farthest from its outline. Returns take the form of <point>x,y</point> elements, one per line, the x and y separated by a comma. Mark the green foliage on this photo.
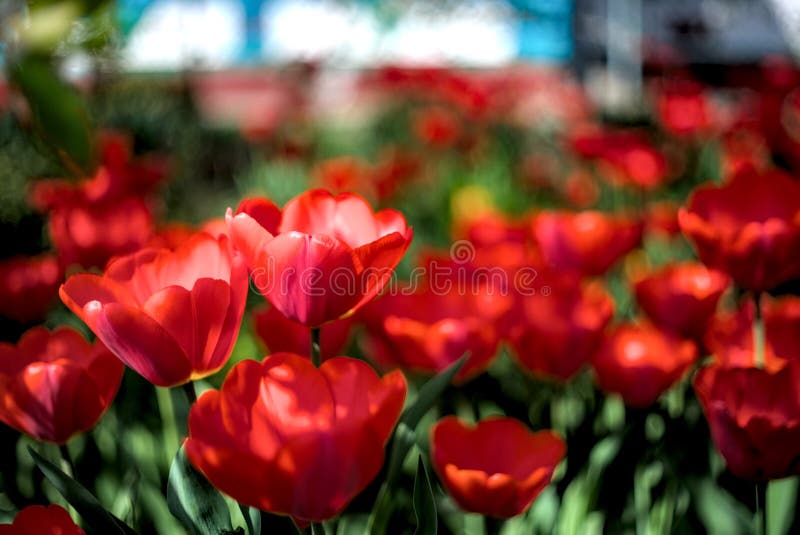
<point>97,518</point>
<point>192,499</point>
<point>424,502</point>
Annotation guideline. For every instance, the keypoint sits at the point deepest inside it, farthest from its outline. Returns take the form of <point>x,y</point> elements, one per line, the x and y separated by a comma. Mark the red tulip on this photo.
<point>682,297</point>
<point>437,127</point>
<point>54,385</point>
<point>119,176</point>
<point>281,334</point>
<point>496,269</point>
<point>89,235</point>
<point>662,218</point>
<point>748,228</point>
<point>628,157</point>
<point>41,520</point>
<point>291,439</point>
<point>488,230</point>
<point>754,416</point>
<point>640,363</point>
<point>427,331</point>
<point>344,174</point>
<point>323,257</point>
<point>683,109</point>
<point>496,468</point>
<point>586,243</point>
<point>557,333</point>
<point>172,316</point>
<point>743,147</point>
<point>394,168</point>
<point>730,335</point>
<point>28,286</point>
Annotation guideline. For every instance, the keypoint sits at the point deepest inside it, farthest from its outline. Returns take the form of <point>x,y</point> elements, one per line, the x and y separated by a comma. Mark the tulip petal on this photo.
<point>142,344</point>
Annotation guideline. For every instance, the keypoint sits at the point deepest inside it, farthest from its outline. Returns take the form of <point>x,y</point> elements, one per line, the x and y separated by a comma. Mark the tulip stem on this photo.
<point>166,409</point>
<point>758,332</point>
<point>317,529</point>
<point>761,508</point>
<point>316,352</point>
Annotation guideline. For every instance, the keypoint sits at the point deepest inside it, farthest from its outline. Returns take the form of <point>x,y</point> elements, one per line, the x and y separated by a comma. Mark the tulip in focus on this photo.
<point>641,362</point>
<point>495,468</point>
<point>323,256</point>
<point>41,520</point>
<point>292,439</point>
<point>54,385</point>
<point>172,316</point>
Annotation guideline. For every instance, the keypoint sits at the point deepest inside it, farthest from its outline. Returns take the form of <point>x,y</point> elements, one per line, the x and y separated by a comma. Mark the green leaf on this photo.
<point>97,518</point>
<point>719,511</point>
<point>781,505</point>
<point>430,392</point>
<point>252,518</point>
<point>404,438</point>
<point>58,113</point>
<point>424,502</point>
<point>193,501</point>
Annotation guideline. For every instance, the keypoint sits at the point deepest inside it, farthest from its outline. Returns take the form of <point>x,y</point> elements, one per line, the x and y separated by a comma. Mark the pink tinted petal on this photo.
<point>249,238</point>
<point>142,344</point>
<point>312,278</point>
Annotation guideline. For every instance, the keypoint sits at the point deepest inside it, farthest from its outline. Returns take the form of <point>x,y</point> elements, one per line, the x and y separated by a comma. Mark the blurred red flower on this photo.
<point>394,168</point>
<point>118,176</point>
<point>42,520</point>
<point>748,228</point>
<point>754,416</point>
<point>585,243</point>
<point>90,234</point>
<point>681,298</point>
<point>291,439</point>
<point>743,147</point>
<point>172,316</point>
<point>495,268</point>
<point>640,362</point>
<point>556,334</point>
<point>662,218</point>
<point>730,335</point>
<point>438,127</point>
<point>28,286</point>
<point>428,330</point>
<point>323,257</point>
<point>344,174</point>
<point>627,157</point>
<point>495,468</point>
<point>581,189</point>
<point>684,109</point>
<point>54,385</point>
<point>281,334</point>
